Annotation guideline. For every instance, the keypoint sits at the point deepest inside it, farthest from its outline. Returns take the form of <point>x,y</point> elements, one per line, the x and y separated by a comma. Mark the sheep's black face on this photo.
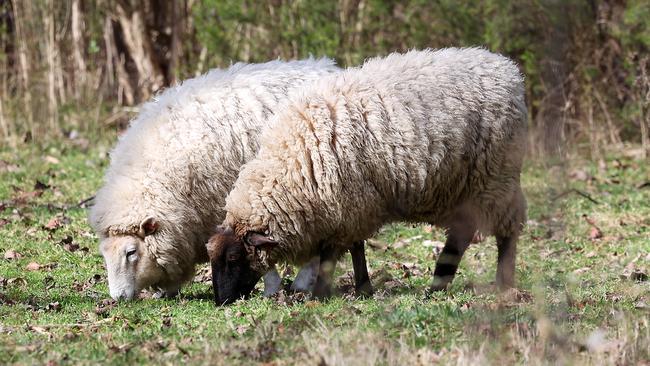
<point>232,274</point>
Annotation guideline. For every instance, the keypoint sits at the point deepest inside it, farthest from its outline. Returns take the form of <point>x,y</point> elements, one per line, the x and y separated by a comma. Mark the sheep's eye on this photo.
<point>130,253</point>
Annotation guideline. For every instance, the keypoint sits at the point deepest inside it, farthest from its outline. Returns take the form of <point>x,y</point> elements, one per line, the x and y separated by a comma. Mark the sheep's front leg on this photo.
<point>272,283</point>
<point>307,276</point>
<point>323,286</point>
<point>362,284</point>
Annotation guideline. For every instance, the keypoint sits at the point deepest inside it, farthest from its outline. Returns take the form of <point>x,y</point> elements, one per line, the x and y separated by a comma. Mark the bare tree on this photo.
<point>78,46</point>
<point>23,60</point>
<point>52,107</point>
<point>135,35</point>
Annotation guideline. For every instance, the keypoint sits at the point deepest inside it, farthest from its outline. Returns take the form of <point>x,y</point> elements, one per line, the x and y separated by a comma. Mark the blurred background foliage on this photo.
<point>83,66</point>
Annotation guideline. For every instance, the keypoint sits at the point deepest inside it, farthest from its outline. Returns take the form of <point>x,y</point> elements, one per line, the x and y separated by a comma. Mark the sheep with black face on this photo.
<point>427,136</point>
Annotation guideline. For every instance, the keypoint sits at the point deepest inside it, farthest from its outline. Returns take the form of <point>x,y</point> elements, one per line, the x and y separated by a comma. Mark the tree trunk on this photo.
<point>125,93</point>
<point>52,106</point>
<point>3,122</point>
<point>23,61</point>
<point>80,75</point>
<point>136,38</point>
<point>178,28</point>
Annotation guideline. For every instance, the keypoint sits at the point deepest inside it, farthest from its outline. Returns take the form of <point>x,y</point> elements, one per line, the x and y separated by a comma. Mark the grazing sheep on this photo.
<point>426,136</point>
<point>171,171</point>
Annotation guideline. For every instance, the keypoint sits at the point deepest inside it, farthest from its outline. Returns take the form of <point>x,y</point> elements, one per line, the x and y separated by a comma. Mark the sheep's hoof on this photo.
<point>165,294</point>
<point>365,290</point>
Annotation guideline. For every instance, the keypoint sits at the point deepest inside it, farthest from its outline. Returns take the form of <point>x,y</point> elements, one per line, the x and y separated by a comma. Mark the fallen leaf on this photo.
<point>8,167</point>
<point>71,247</point>
<point>21,197</point>
<point>37,329</point>
<point>53,224</point>
<point>33,266</point>
<point>589,220</point>
<point>18,281</point>
<point>3,222</point>
<point>241,329</point>
<point>53,306</point>
<point>312,304</point>
<point>51,159</point>
<point>167,322</point>
<point>5,300</point>
<point>120,349</point>
<point>12,254</point>
<point>105,306</point>
<point>581,270</point>
<point>377,244</point>
<point>433,243</point>
<point>595,233</point>
<point>49,282</point>
<point>40,186</point>
<point>638,276</point>
<point>580,174</point>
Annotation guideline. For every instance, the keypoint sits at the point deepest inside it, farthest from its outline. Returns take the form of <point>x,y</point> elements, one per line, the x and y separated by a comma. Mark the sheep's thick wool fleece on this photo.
<point>408,137</point>
<point>181,155</point>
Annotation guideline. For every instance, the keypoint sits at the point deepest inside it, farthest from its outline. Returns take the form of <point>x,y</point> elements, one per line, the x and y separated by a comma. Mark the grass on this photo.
<point>582,292</point>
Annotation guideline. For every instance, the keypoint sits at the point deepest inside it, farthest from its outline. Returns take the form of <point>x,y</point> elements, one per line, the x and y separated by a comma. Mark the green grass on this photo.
<point>581,299</point>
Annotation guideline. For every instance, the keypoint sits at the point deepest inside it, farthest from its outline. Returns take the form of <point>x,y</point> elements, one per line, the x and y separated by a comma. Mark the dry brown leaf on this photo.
<point>8,167</point>
<point>595,233</point>
<point>580,174</point>
<point>12,254</point>
<point>167,322</point>
<point>40,186</point>
<point>33,266</point>
<point>53,306</point>
<point>51,159</point>
<point>53,224</point>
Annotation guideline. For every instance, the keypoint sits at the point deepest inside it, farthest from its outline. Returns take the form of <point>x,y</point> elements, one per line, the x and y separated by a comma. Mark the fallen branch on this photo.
<point>84,201</point>
<point>71,325</point>
<point>573,190</point>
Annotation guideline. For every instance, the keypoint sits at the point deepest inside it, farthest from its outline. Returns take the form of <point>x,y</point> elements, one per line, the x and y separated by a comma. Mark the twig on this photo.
<point>573,190</point>
<point>83,202</point>
<point>74,325</point>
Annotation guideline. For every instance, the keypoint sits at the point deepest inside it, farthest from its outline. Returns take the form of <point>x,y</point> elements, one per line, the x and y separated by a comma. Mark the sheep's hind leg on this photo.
<point>362,284</point>
<point>507,235</point>
<point>507,247</point>
<point>458,239</point>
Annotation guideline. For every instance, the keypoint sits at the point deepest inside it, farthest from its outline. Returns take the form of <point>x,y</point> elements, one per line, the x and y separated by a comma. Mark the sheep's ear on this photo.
<point>148,226</point>
<point>260,241</point>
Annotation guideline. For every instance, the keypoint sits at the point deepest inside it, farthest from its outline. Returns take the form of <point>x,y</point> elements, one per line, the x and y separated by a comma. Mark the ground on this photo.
<point>582,295</point>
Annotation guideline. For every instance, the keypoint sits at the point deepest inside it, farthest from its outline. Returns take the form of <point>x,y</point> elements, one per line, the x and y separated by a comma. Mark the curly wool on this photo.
<point>180,156</point>
<point>410,137</point>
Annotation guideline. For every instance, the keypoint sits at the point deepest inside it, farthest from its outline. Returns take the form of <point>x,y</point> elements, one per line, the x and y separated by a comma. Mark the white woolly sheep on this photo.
<point>171,171</point>
<point>426,136</point>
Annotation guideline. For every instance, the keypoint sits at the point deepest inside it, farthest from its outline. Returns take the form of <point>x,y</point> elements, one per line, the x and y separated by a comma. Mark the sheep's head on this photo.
<point>130,265</point>
<point>236,264</point>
